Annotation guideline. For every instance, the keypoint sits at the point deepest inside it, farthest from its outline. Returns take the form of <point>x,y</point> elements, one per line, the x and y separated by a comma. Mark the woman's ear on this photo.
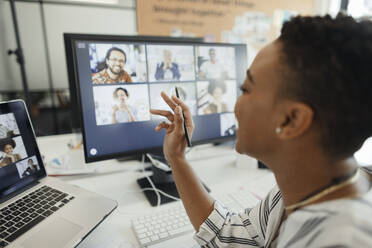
<point>298,118</point>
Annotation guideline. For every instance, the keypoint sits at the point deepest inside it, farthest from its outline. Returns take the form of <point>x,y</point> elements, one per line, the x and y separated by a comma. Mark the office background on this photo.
<point>41,25</point>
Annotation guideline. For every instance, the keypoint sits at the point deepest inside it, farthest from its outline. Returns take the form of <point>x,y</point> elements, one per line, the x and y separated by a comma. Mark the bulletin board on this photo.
<point>255,22</point>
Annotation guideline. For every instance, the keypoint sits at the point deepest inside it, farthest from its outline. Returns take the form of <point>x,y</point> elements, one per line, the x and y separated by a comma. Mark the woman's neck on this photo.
<point>299,179</point>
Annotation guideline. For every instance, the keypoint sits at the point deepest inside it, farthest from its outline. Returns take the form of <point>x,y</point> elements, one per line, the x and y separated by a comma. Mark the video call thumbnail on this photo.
<point>170,63</point>
<point>121,104</point>
<point>215,62</point>
<point>27,167</point>
<point>117,63</point>
<point>8,126</point>
<point>187,93</point>
<point>11,150</point>
<point>216,96</point>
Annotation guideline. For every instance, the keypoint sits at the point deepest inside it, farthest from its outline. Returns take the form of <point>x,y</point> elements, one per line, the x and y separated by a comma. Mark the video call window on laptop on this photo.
<point>18,162</point>
<point>34,207</point>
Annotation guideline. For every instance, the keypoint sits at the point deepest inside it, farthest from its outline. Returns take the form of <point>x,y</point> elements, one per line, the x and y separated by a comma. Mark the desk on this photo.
<point>117,180</point>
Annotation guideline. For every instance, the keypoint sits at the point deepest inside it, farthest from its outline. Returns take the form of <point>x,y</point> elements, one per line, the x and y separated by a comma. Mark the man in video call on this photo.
<point>167,69</point>
<point>212,68</point>
<point>113,68</point>
<point>30,169</point>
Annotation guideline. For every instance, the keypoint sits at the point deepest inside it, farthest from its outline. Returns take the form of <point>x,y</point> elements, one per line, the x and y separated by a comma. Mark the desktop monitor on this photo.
<point>119,78</point>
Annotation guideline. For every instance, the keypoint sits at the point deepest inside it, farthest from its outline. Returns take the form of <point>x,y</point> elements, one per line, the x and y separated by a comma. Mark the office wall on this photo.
<point>61,17</point>
<point>30,29</point>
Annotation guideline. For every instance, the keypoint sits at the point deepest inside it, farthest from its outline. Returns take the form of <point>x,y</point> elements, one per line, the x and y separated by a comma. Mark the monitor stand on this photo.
<point>164,181</point>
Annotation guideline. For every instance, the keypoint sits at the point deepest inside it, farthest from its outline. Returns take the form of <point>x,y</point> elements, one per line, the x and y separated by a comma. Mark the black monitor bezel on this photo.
<point>71,38</point>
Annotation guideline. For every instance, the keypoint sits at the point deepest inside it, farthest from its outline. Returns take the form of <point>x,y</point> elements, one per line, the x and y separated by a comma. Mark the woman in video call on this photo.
<point>122,112</point>
<point>216,88</point>
<point>7,146</point>
<point>304,111</point>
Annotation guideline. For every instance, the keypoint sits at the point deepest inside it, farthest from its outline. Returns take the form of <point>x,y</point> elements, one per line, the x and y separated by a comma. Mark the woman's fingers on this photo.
<point>169,101</point>
<point>178,120</point>
<point>173,103</point>
<point>185,110</point>
<point>164,113</point>
<point>161,126</point>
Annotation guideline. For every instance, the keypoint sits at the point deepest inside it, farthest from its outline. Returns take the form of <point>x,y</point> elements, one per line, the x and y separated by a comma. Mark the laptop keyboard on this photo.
<point>21,215</point>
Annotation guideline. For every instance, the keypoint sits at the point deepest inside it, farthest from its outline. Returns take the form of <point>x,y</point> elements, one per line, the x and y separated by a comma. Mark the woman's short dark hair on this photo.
<point>213,84</point>
<point>329,68</point>
<point>120,88</point>
<point>5,142</point>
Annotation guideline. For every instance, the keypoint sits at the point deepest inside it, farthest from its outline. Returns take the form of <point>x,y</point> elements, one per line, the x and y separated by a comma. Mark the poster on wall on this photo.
<point>252,22</point>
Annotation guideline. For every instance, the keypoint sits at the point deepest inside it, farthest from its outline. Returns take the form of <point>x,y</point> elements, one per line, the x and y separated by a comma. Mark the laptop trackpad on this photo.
<point>56,235</point>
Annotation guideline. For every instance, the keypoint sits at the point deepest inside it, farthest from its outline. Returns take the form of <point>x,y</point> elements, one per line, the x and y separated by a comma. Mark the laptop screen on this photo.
<point>20,161</point>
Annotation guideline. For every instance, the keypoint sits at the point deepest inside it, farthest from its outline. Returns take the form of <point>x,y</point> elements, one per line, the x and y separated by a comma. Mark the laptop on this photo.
<point>37,210</point>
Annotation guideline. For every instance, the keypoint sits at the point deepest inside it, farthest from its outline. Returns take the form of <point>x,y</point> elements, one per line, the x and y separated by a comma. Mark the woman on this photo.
<point>300,113</point>
<point>216,88</point>
<point>122,112</point>
<point>7,146</point>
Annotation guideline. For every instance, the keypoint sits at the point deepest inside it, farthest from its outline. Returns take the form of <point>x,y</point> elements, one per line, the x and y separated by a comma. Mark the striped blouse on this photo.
<point>338,223</point>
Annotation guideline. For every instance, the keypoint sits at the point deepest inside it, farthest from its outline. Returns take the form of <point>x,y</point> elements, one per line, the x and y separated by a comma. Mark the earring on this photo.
<point>278,130</point>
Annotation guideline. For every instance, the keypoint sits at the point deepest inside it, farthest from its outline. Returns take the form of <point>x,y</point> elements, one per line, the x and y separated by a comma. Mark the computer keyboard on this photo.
<point>172,223</point>
<point>238,201</point>
<point>21,215</point>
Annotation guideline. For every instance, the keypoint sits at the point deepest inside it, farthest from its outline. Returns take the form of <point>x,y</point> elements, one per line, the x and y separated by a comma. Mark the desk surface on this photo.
<point>117,180</point>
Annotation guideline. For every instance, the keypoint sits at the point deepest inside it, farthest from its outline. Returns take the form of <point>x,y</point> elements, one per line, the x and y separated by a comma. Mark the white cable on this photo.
<point>160,191</point>
<point>153,187</point>
<point>150,181</point>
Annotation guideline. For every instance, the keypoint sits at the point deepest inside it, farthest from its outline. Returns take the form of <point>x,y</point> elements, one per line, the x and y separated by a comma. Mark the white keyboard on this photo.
<point>156,230</point>
<point>237,201</point>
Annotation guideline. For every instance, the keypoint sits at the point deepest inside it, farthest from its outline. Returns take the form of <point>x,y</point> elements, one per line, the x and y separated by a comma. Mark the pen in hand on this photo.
<point>184,124</point>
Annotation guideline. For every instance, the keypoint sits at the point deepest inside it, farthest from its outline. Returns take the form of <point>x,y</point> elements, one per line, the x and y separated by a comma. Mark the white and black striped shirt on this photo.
<point>338,223</point>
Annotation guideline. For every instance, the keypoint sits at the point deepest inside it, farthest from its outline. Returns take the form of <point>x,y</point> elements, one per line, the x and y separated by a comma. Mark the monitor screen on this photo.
<point>119,78</point>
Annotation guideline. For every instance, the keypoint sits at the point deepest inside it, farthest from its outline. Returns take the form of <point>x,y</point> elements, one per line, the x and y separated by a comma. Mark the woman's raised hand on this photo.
<point>174,141</point>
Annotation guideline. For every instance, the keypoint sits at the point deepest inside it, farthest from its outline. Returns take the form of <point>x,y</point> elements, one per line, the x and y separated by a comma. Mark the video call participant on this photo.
<point>30,169</point>
<point>122,112</point>
<point>113,68</point>
<point>7,146</point>
<point>212,68</point>
<point>216,88</point>
<point>5,132</point>
<point>304,112</point>
<point>167,70</point>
